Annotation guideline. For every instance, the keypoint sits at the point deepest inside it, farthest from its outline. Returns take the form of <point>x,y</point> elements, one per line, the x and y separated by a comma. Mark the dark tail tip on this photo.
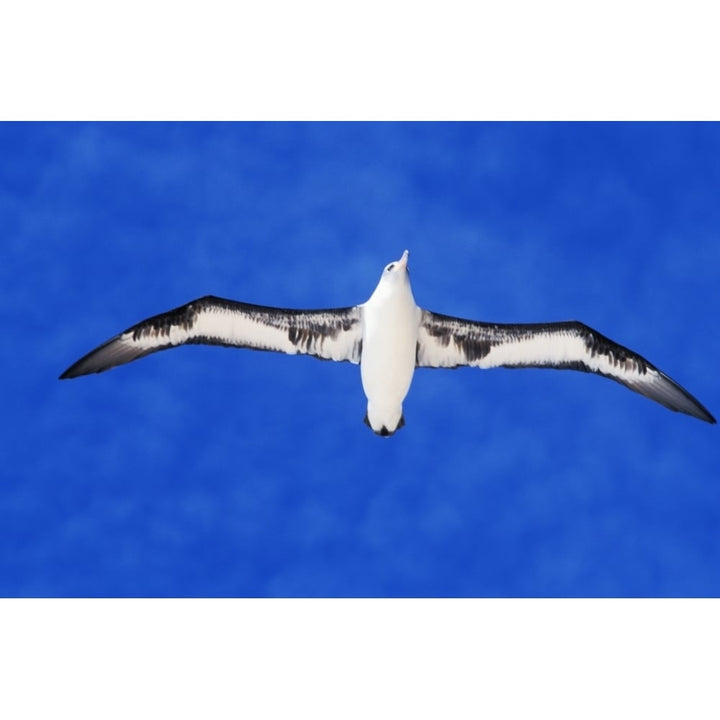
<point>383,431</point>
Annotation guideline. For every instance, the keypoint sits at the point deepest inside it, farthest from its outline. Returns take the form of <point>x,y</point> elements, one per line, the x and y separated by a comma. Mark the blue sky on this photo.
<point>215,472</point>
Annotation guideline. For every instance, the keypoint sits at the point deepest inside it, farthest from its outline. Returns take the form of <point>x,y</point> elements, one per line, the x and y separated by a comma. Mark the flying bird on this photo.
<point>389,336</point>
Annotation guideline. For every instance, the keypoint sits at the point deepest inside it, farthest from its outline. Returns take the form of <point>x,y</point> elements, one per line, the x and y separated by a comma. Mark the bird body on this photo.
<point>391,321</point>
<point>390,336</point>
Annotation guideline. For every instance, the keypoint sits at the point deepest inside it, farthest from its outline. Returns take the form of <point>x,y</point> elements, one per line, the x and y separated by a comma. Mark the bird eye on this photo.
<point>390,267</point>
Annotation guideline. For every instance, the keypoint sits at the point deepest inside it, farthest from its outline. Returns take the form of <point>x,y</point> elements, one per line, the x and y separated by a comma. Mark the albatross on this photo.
<point>389,336</point>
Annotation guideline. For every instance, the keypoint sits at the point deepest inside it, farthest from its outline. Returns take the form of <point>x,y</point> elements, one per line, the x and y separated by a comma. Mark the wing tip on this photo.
<point>104,357</point>
<point>675,397</point>
<point>702,413</point>
<point>84,366</point>
<point>78,368</point>
<point>697,411</point>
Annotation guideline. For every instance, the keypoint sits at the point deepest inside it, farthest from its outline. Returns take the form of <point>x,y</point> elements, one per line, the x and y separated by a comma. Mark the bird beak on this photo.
<point>403,261</point>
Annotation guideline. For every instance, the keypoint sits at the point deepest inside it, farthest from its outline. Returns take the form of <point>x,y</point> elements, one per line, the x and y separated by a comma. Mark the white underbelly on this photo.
<point>388,357</point>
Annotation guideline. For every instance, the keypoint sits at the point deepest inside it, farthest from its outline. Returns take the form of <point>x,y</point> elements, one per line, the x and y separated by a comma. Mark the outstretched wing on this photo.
<point>445,341</point>
<point>327,334</point>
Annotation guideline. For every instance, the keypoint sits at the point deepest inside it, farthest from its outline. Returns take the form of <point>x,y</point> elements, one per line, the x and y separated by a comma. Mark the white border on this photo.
<point>155,59</point>
<point>359,659</point>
